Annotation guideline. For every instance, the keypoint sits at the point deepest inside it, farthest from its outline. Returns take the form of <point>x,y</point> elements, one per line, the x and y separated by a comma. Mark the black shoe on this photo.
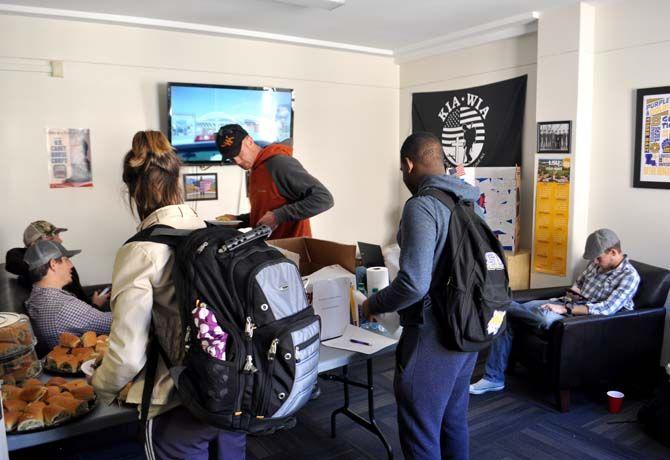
<point>316,392</point>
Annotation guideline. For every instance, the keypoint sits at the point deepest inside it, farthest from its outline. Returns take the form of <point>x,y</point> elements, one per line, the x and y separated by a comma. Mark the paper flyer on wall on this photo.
<point>499,200</point>
<point>69,157</point>
<point>552,207</point>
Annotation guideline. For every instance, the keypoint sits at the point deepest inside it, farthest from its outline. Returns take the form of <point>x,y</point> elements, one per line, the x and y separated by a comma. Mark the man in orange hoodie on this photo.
<point>282,194</point>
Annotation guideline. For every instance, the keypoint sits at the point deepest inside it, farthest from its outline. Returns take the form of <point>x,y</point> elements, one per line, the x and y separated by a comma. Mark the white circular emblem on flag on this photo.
<point>463,135</point>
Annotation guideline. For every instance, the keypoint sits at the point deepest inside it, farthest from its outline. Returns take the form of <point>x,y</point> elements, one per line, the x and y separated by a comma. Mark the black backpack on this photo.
<point>257,297</point>
<point>470,291</point>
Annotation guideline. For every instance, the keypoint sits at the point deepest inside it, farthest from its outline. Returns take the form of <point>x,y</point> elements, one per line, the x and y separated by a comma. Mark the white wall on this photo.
<point>631,52</point>
<point>477,66</point>
<point>346,125</point>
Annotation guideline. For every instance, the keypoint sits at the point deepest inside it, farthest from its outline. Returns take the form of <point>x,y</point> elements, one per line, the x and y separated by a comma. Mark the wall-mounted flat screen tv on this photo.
<point>196,112</point>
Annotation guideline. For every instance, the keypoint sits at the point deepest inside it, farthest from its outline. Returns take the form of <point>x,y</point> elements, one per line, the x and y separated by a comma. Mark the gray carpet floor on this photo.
<point>517,423</point>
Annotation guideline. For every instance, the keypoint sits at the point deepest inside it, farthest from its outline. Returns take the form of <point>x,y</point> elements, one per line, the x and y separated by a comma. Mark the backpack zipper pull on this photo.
<point>249,365</point>
<point>296,354</point>
<point>273,349</point>
<point>202,247</point>
<point>249,328</point>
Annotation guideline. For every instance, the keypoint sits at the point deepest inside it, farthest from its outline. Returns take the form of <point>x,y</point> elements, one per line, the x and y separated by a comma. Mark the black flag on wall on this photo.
<point>480,126</point>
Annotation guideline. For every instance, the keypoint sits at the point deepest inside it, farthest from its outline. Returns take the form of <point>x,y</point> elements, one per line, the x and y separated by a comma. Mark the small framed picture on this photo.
<point>554,136</point>
<point>199,187</point>
<point>651,157</point>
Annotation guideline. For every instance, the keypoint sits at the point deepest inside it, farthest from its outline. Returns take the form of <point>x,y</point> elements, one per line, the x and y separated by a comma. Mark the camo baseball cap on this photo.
<point>38,230</point>
<point>43,251</point>
<point>229,140</point>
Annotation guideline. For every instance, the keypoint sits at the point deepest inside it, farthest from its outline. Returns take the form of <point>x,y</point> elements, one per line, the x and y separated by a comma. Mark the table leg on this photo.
<point>371,424</point>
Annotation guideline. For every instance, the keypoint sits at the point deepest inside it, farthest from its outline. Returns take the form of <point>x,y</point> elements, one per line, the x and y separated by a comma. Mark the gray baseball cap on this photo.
<point>598,242</point>
<point>43,251</point>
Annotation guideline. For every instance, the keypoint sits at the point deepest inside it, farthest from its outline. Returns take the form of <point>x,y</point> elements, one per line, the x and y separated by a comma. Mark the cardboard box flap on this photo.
<point>316,254</point>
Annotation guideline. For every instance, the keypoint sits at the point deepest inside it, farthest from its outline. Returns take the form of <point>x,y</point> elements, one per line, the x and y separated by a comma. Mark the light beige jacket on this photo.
<point>142,281</point>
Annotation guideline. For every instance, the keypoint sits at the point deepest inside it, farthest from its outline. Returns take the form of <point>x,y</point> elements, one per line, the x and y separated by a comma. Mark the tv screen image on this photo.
<point>196,112</point>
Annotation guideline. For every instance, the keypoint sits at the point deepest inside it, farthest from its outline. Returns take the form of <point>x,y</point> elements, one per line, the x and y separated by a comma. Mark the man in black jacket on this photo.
<point>43,230</point>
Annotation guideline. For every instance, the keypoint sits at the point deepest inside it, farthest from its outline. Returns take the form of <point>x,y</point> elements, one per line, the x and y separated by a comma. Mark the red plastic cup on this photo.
<point>615,401</point>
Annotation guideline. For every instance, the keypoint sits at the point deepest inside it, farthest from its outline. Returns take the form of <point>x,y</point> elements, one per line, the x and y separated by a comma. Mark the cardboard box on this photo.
<point>518,267</point>
<point>328,291</point>
<point>316,254</point>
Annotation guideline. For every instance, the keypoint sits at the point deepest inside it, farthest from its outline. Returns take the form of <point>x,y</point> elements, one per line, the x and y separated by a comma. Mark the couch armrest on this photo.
<point>590,349</point>
<point>537,294</point>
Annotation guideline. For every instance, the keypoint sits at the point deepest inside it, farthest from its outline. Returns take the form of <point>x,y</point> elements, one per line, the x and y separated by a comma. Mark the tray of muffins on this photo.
<point>67,357</point>
<point>36,405</point>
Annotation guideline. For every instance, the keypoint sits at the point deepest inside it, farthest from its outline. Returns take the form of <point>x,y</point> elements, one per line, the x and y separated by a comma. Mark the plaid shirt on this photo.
<point>53,311</point>
<point>609,292</point>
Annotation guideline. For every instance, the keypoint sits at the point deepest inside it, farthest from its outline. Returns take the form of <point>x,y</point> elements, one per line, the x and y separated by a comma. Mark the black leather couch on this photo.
<point>12,294</point>
<point>596,350</point>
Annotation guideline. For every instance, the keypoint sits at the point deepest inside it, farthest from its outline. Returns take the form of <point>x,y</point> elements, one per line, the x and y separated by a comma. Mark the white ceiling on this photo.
<point>385,24</point>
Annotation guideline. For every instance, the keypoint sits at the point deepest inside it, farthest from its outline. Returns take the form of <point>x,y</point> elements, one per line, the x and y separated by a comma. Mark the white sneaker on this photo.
<point>484,386</point>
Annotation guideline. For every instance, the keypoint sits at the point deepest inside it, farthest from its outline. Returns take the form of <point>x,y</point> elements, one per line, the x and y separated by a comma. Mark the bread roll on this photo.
<point>84,393</point>
<point>58,381</point>
<point>73,406</point>
<point>83,353</point>
<point>89,339</point>
<point>31,418</point>
<point>68,340</point>
<point>8,348</point>
<point>101,347</point>
<point>10,392</point>
<point>74,384</point>
<point>15,405</point>
<point>54,414</point>
<point>69,363</point>
<point>33,383</point>
<point>40,404</point>
<point>31,394</point>
<point>11,419</point>
<point>59,349</point>
<point>52,390</point>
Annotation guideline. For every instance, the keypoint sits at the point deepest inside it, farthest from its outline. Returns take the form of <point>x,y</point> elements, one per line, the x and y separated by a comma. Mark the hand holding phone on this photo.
<point>575,295</point>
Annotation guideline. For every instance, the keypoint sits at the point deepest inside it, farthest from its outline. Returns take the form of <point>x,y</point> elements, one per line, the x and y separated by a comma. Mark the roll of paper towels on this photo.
<point>378,279</point>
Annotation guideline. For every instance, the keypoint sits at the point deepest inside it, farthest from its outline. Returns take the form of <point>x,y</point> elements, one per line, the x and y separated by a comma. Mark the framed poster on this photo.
<point>554,136</point>
<point>652,138</point>
<point>201,187</point>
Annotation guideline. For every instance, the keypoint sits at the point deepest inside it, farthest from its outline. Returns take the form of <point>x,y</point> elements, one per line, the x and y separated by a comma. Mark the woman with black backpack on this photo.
<point>143,294</point>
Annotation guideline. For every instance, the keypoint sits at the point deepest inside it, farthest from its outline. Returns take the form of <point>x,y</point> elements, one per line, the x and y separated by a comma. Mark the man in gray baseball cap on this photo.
<point>606,286</point>
<point>53,310</point>
<point>599,242</point>
<point>44,251</point>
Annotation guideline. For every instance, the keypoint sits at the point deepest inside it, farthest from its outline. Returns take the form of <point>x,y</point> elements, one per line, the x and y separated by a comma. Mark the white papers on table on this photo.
<point>331,301</point>
<point>377,341</point>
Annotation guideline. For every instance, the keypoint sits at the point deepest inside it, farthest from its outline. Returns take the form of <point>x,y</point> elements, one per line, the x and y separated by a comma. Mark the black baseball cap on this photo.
<point>229,140</point>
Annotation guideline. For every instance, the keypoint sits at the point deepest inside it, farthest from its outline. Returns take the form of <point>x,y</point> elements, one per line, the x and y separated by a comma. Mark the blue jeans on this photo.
<point>531,313</point>
<point>431,389</point>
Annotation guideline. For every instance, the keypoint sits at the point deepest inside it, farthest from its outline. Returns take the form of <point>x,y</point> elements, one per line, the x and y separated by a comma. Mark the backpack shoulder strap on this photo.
<point>162,234</point>
<point>446,198</point>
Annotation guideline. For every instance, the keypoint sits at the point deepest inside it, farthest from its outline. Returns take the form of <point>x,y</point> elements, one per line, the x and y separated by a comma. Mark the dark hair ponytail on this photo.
<point>151,173</point>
